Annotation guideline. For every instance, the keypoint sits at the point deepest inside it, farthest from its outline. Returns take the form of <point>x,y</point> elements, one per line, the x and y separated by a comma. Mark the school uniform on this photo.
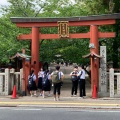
<point>74,83</point>
<point>33,86</point>
<point>82,83</point>
<point>40,78</point>
<point>47,85</point>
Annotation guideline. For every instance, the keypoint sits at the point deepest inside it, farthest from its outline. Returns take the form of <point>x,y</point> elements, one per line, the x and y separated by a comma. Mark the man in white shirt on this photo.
<point>82,88</point>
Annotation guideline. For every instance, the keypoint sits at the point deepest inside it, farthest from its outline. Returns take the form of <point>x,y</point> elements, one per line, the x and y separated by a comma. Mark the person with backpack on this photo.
<point>49,82</point>
<point>32,83</point>
<point>57,78</point>
<point>82,87</point>
<point>74,79</point>
<point>46,83</point>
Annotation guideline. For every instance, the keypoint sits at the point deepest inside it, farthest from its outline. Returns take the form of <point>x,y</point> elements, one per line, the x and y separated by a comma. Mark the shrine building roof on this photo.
<point>92,54</point>
<point>21,55</point>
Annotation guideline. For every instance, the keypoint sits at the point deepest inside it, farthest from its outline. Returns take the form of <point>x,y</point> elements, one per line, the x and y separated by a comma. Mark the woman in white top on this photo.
<point>40,78</point>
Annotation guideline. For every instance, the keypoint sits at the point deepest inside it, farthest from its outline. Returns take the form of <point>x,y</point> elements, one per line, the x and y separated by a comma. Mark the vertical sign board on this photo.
<point>103,70</point>
<point>63,29</point>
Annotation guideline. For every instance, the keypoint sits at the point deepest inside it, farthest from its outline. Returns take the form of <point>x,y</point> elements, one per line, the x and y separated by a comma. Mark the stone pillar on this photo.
<point>111,81</point>
<point>22,82</point>
<point>103,84</point>
<point>1,85</point>
<point>7,82</point>
<point>12,80</point>
<point>118,85</point>
<point>16,79</point>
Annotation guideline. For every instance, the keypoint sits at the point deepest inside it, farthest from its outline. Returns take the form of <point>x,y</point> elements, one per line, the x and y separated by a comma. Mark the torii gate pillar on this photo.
<point>35,50</point>
<point>94,61</point>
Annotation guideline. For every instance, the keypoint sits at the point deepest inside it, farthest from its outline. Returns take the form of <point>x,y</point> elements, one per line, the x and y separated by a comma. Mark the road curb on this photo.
<point>8,105</point>
<point>57,106</point>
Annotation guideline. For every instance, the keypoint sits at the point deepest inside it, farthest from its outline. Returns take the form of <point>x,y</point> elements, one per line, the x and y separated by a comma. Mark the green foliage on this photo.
<point>72,49</point>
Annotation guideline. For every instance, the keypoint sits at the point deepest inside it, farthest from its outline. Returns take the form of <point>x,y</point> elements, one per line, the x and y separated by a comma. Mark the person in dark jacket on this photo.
<point>33,87</point>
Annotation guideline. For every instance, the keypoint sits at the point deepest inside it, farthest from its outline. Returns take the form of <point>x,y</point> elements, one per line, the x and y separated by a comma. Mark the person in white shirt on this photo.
<point>40,77</point>
<point>82,87</point>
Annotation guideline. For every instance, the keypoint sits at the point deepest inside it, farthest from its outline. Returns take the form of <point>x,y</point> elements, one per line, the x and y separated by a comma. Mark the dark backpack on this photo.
<point>74,77</point>
<point>45,79</point>
<point>55,77</point>
<point>30,81</point>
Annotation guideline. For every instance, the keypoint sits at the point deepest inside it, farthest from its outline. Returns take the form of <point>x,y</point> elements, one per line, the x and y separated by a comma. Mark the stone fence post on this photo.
<point>111,81</point>
<point>7,82</point>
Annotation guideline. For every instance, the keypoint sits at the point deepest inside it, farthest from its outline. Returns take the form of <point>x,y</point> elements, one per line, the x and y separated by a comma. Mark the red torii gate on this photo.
<point>94,35</point>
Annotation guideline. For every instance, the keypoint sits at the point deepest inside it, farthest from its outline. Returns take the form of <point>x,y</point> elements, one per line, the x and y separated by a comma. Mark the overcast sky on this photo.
<point>3,2</point>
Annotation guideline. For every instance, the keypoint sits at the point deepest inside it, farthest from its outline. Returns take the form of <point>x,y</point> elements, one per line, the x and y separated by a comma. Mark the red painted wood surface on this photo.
<point>35,50</point>
<point>94,62</point>
<point>75,35</point>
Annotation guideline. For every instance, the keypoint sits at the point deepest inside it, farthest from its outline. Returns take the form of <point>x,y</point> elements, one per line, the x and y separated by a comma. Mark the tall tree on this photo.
<point>53,8</point>
<point>108,7</point>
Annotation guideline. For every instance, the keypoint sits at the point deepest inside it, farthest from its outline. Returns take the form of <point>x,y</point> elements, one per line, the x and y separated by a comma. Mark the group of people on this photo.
<point>44,82</point>
<point>78,78</point>
<point>47,79</point>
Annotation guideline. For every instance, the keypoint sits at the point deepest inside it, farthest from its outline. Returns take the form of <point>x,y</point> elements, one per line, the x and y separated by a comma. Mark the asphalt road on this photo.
<point>37,113</point>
